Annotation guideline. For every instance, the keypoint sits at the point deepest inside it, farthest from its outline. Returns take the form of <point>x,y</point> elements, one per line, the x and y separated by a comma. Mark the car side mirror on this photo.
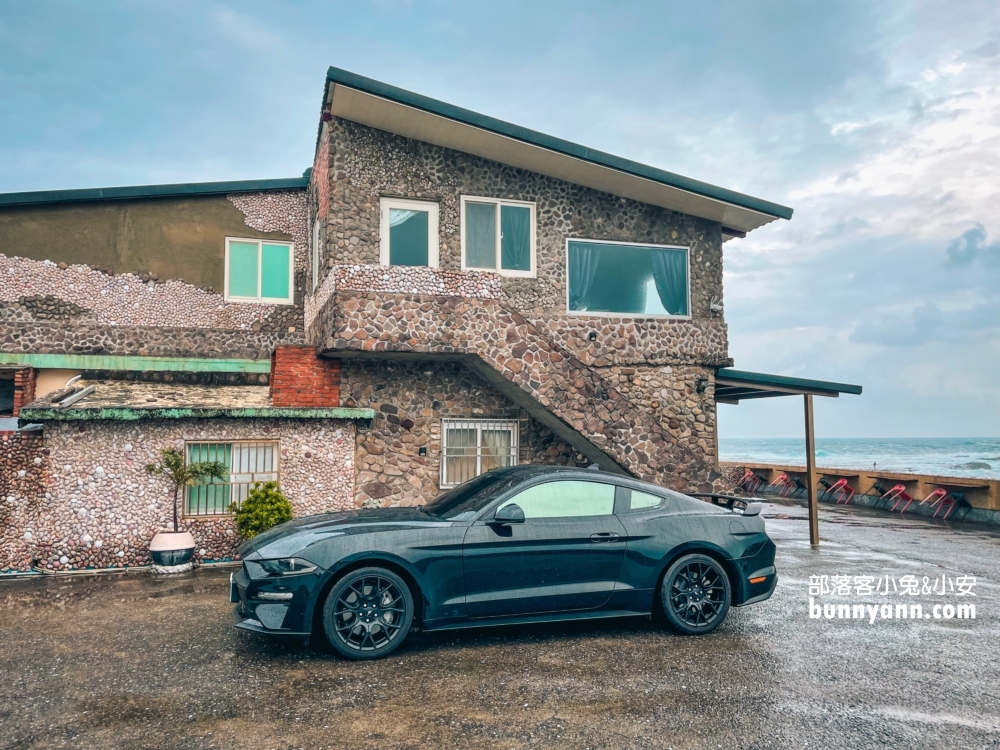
<point>510,513</point>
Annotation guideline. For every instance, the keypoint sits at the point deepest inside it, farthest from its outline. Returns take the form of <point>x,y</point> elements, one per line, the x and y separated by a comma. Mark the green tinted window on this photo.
<point>642,500</point>
<point>243,269</point>
<point>566,499</point>
<point>627,279</point>
<point>408,237</point>
<point>515,238</point>
<point>213,497</point>
<point>275,276</point>
<point>480,235</point>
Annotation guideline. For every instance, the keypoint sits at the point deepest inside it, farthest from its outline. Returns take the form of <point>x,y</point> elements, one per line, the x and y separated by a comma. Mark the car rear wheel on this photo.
<point>695,595</point>
<point>368,613</point>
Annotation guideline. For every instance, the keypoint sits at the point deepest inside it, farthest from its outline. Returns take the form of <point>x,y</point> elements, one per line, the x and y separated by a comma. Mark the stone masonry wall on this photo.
<point>670,395</point>
<point>145,341</point>
<point>410,399</point>
<point>98,507</point>
<point>366,164</point>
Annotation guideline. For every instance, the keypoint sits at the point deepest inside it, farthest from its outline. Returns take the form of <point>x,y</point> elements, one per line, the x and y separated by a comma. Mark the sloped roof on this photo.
<point>386,107</point>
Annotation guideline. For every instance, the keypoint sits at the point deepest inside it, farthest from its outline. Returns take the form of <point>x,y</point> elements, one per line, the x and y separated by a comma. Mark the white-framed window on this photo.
<point>316,253</point>
<point>470,447</point>
<point>627,279</point>
<point>249,462</point>
<point>408,232</point>
<point>259,271</point>
<point>498,235</point>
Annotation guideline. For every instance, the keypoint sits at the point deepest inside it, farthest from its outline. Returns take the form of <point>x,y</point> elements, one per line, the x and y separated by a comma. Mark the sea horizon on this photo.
<point>969,457</point>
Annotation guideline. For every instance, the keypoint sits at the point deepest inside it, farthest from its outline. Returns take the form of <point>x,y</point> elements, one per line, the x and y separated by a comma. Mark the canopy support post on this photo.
<point>811,479</point>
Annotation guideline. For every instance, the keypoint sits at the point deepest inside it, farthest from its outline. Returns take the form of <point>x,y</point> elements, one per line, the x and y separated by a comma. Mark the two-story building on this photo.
<point>442,293</point>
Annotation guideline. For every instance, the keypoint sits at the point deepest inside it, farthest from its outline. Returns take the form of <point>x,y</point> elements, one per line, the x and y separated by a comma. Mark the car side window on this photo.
<point>643,500</point>
<point>566,499</point>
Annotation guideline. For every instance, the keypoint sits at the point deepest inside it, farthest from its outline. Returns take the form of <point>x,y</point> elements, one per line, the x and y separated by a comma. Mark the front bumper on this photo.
<point>256,612</point>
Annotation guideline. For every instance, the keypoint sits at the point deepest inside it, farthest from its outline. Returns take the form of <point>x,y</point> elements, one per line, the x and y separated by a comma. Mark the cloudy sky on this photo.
<point>879,123</point>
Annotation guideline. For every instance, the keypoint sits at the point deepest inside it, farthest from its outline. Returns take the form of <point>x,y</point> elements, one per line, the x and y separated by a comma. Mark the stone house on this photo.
<point>442,293</point>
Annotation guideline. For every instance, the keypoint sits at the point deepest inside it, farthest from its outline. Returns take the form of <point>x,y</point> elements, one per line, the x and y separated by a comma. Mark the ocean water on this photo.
<point>957,457</point>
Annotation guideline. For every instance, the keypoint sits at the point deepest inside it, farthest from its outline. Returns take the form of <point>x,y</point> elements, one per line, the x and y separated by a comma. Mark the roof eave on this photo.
<point>744,212</point>
<point>134,192</point>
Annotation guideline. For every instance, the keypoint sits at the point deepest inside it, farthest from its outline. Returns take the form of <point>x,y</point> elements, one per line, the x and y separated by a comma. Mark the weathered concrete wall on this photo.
<point>411,398</point>
<point>365,164</point>
<point>55,306</point>
<point>175,238</point>
<point>91,503</point>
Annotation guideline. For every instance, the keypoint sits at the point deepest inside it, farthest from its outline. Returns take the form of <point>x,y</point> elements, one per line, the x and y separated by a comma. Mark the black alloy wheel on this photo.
<point>368,613</point>
<point>695,595</point>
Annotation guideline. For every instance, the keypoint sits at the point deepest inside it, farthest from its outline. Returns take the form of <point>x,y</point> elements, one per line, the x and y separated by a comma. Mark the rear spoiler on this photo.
<point>749,506</point>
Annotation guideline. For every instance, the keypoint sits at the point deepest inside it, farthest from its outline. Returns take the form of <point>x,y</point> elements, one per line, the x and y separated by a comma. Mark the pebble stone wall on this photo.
<point>96,507</point>
<point>410,400</point>
<point>24,464</point>
<point>367,163</point>
<point>670,395</point>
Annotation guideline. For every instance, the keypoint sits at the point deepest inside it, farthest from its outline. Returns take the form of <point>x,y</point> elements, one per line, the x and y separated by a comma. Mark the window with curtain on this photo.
<point>498,235</point>
<point>470,447</point>
<point>622,279</point>
<point>258,271</point>
<point>408,232</point>
<point>249,462</point>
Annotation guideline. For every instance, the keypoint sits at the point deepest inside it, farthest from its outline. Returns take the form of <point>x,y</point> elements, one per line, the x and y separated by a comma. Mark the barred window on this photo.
<point>471,447</point>
<point>248,461</point>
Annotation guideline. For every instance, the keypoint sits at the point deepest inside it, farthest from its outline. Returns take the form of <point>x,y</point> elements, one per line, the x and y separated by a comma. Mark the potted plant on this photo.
<point>173,548</point>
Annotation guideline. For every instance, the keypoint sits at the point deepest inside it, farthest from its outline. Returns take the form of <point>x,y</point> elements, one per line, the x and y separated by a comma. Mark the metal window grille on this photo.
<point>249,462</point>
<point>471,447</point>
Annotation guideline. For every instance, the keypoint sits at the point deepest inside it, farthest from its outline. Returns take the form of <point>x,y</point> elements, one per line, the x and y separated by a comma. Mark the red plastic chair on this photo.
<point>751,481</point>
<point>935,497</point>
<point>783,485</point>
<point>949,501</point>
<point>900,495</point>
<point>841,490</point>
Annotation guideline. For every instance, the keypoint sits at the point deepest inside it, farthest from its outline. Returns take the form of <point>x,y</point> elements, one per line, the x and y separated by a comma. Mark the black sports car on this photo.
<point>518,545</point>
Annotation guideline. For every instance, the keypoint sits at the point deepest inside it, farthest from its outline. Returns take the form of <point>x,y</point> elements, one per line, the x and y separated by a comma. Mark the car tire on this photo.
<point>695,595</point>
<point>368,613</point>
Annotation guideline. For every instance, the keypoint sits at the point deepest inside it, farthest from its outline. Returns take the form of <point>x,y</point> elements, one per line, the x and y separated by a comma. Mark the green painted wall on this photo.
<point>175,238</point>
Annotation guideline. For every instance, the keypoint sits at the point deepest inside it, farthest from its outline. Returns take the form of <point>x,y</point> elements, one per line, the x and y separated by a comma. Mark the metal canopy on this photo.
<point>733,386</point>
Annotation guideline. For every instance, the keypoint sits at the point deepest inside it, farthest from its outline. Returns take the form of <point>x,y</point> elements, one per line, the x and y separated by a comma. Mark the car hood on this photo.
<point>291,538</point>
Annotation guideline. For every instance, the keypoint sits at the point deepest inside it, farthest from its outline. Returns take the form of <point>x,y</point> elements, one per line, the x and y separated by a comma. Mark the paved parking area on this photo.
<point>133,662</point>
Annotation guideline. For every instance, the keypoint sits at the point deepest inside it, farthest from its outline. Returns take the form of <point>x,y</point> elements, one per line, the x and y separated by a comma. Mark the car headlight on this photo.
<point>289,566</point>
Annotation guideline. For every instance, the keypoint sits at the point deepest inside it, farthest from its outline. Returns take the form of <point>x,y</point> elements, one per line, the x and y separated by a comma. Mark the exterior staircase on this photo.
<point>380,318</point>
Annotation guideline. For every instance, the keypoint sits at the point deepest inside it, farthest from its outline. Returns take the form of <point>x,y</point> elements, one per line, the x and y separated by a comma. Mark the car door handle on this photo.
<point>604,536</point>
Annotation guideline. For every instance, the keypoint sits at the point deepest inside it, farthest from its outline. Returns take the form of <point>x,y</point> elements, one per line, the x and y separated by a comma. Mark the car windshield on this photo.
<point>464,501</point>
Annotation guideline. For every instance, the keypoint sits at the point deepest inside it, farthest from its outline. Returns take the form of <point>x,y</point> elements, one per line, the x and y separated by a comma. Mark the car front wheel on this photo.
<point>368,613</point>
<point>695,595</point>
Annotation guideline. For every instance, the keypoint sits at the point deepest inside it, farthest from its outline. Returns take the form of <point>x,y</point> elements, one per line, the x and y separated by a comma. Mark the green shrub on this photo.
<point>265,506</point>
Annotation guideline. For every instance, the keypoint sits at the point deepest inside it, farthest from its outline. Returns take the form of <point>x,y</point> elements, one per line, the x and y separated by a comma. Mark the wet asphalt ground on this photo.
<point>135,662</point>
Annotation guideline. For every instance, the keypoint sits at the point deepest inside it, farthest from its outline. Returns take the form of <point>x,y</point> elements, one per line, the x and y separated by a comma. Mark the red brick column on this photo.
<point>301,379</point>
<point>24,388</point>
